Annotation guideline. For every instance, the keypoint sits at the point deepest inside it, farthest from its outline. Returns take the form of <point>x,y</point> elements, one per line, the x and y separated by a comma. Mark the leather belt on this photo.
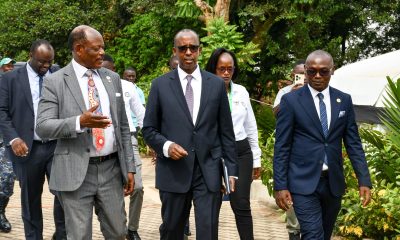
<point>324,174</point>
<point>100,159</point>
<point>44,141</point>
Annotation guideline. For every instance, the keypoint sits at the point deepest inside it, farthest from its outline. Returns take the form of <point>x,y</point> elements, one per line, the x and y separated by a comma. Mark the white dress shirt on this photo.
<point>34,85</point>
<point>327,101</point>
<point>109,137</point>
<point>244,121</point>
<point>282,92</point>
<point>196,85</point>
<point>132,104</point>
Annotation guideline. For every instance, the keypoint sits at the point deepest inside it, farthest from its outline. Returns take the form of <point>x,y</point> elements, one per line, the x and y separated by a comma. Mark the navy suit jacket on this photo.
<point>17,117</point>
<point>168,118</point>
<point>300,144</point>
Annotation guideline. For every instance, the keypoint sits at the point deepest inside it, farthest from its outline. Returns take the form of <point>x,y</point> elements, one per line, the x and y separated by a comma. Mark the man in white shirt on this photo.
<point>134,109</point>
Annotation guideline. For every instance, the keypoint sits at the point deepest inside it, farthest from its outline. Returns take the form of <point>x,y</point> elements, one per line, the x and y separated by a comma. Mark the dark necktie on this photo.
<point>98,133</point>
<point>323,116</point>
<point>40,85</point>
<point>189,94</point>
<point>324,119</point>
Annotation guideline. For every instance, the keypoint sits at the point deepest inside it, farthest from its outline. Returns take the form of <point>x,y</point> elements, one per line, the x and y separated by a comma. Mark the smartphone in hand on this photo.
<point>299,79</point>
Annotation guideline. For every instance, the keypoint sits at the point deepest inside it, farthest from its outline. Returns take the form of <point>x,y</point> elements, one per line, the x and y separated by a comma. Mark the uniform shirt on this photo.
<point>327,101</point>
<point>109,135</point>
<point>132,104</point>
<point>244,121</point>
<point>196,85</point>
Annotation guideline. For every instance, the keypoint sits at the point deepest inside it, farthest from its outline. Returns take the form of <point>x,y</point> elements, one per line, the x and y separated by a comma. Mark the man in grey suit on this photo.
<point>82,107</point>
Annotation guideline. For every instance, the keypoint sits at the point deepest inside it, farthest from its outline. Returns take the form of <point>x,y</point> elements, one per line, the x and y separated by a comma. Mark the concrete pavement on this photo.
<point>268,223</point>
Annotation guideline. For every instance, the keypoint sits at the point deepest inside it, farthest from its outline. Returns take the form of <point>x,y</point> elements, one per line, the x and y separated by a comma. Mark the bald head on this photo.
<point>320,54</point>
<point>185,33</point>
<point>79,35</point>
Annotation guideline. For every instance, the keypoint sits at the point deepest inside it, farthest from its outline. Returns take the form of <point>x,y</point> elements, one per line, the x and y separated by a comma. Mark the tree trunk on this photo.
<point>221,9</point>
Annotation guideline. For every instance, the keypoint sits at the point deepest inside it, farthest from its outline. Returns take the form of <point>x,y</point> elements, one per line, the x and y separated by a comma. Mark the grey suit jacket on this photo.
<point>62,101</point>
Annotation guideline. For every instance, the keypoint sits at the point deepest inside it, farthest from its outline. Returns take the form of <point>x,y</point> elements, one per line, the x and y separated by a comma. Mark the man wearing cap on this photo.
<point>7,64</point>
<point>7,176</point>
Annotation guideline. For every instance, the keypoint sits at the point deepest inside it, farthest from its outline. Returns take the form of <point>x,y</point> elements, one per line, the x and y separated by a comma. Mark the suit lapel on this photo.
<point>72,82</point>
<point>307,102</point>
<point>25,85</point>
<point>178,92</point>
<point>109,86</point>
<point>335,107</point>
<point>205,90</point>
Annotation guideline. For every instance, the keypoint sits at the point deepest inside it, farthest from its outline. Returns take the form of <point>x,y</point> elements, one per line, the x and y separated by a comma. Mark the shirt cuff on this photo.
<point>78,124</point>
<point>257,163</point>
<point>234,177</point>
<point>166,147</point>
<point>13,141</point>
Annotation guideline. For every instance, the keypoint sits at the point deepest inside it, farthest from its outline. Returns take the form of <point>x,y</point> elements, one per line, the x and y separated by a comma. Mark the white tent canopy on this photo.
<point>366,80</point>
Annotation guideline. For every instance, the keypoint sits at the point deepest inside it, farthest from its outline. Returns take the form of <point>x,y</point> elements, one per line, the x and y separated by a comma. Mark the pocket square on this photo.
<point>342,113</point>
<point>118,94</point>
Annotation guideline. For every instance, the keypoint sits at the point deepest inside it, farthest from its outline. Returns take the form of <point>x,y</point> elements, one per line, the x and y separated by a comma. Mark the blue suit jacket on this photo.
<point>17,117</point>
<point>300,145</point>
<point>168,118</point>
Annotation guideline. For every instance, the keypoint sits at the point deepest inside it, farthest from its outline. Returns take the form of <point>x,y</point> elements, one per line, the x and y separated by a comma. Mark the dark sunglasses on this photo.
<point>224,69</point>
<point>193,48</point>
<point>324,72</point>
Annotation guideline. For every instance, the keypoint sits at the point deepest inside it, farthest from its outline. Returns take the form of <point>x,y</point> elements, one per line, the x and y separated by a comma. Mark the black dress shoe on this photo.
<point>54,237</point>
<point>133,235</point>
<point>294,236</point>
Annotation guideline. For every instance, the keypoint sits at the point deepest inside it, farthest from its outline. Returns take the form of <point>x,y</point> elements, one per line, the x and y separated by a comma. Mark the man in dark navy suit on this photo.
<point>20,91</point>
<point>308,165</point>
<point>188,123</point>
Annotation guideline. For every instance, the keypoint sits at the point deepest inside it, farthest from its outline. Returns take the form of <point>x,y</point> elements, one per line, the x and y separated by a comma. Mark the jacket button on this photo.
<point>87,149</point>
<point>192,150</point>
<point>326,144</point>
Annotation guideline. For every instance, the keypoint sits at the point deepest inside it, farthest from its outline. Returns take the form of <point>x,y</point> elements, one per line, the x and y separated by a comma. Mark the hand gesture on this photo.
<point>90,119</point>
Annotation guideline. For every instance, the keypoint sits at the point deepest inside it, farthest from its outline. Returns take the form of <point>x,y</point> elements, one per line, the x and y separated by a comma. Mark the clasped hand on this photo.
<point>89,119</point>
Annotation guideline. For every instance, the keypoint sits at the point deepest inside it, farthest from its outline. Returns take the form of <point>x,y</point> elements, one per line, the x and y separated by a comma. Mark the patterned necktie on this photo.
<point>40,85</point>
<point>98,133</point>
<point>323,119</point>
<point>323,115</point>
<point>189,94</point>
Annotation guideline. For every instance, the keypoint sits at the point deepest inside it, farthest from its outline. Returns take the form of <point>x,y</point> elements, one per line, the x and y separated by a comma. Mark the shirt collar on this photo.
<point>80,70</point>
<point>314,92</point>
<point>196,74</point>
<point>32,73</point>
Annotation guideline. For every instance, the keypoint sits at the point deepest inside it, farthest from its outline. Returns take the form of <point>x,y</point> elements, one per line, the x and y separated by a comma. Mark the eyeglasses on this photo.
<point>226,69</point>
<point>193,48</point>
<point>324,72</point>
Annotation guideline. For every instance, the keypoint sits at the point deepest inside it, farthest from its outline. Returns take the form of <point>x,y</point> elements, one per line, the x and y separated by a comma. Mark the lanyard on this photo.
<point>230,94</point>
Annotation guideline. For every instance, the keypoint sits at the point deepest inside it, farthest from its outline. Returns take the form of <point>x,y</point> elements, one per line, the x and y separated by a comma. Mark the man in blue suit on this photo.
<point>189,125</point>
<point>308,165</point>
<point>32,157</point>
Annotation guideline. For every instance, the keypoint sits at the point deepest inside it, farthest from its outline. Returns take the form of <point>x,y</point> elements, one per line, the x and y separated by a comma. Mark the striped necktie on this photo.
<point>324,119</point>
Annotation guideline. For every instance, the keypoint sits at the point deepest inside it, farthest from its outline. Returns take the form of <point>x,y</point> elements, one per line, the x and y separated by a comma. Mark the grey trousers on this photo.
<point>102,187</point>
<point>292,224</point>
<point>136,198</point>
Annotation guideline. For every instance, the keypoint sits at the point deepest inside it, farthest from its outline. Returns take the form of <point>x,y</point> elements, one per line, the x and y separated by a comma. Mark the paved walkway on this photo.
<point>268,224</point>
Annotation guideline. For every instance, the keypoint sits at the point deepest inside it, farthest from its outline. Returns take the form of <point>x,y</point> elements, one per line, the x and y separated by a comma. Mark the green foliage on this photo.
<point>149,53</point>
<point>266,143</point>
<point>26,21</point>
<point>187,8</point>
<point>391,115</point>
<point>221,34</point>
